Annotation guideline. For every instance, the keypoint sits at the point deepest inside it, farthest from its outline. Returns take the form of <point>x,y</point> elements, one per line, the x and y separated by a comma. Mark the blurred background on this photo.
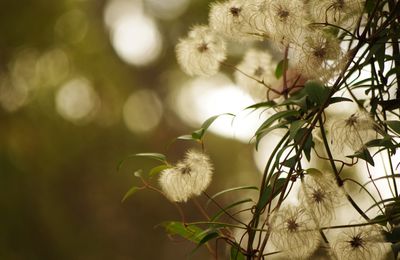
<point>83,84</point>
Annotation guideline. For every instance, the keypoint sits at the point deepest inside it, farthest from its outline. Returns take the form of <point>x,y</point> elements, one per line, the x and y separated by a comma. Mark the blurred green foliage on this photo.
<point>60,192</point>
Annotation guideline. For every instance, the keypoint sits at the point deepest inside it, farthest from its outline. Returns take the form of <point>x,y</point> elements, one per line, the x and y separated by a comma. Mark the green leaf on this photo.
<point>236,254</point>
<point>156,170</point>
<point>263,129</point>
<point>189,232</point>
<point>211,120</point>
<point>261,105</point>
<point>264,132</point>
<point>298,99</point>
<point>380,219</point>
<point>295,126</point>
<point>395,249</point>
<point>270,192</point>
<point>382,202</point>
<point>230,190</point>
<point>393,236</point>
<point>309,143</point>
<point>389,104</point>
<point>392,212</point>
<point>394,125</point>
<point>317,93</point>
<point>186,137</point>
<point>155,156</point>
<point>130,192</point>
<point>313,171</point>
<point>333,100</point>
<point>363,154</point>
<point>282,65</point>
<point>198,134</point>
<point>222,211</point>
<point>291,162</point>
<point>369,5</point>
<point>208,237</point>
<point>279,115</point>
<point>308,147</point>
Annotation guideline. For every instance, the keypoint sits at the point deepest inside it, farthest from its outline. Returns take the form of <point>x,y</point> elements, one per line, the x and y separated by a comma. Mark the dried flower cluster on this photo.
<point>291,25</point>
<point>187,178</point>
<point>309,36</point>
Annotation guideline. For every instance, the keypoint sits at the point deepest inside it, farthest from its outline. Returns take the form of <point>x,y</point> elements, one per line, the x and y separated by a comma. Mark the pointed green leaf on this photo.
<point>291,162</point>
<point>230,190</point>
<point>339,99</point>
<point>270,192</point>
<point>363,154</point>
<point>282,65</point>
<point>222,211</point>
<point>279,115</point>
<point>189,232</point>
<point>236,254</point>
<point>394,125</point>
<point>211,120</point>
<point>156,170</point>
<point>316,92</point>
<point>155,156</point>
<point>295,126</point>
<point>262,104</point>
<point>130,192</point>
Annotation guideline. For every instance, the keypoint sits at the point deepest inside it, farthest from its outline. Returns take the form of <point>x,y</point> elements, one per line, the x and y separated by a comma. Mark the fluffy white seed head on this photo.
<point>318,55</point>
<point>190,177</point>
<point>200,170</point>
<point>294,232</point>
<point>256,66</point>
<point>360,243</point>
<point>258,18</point>
<point>286,21</point>
<point>343,13</point>
<point>230,18</point>
<point>353,132</point>
<point>201,52</point>
<point>320,195</point>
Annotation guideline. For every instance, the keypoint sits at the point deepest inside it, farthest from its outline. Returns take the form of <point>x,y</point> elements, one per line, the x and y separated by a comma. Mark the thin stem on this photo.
<point>338,179</point>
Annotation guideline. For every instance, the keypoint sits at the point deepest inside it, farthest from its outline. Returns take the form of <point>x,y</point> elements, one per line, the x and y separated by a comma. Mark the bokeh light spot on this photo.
<point>142,111</point>
<point>72,26</point>
<point>203,98</point>
<point>76,100</point>
<point>13,93</point>
<point>53,67</point>
<point>136,39</point>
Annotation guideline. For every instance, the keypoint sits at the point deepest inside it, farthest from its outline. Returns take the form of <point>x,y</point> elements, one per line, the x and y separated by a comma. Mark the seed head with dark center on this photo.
<point>283,14</point>
<point>259,72</point>
<point>235,11</point>
<point>356,242</point>
<point>318,195</point>
<point>352,120</point>
<point>339,4</point>
<point>203,47</point>
<point>320,52</point>
<point>292,225</point>
<point>186,169</point>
